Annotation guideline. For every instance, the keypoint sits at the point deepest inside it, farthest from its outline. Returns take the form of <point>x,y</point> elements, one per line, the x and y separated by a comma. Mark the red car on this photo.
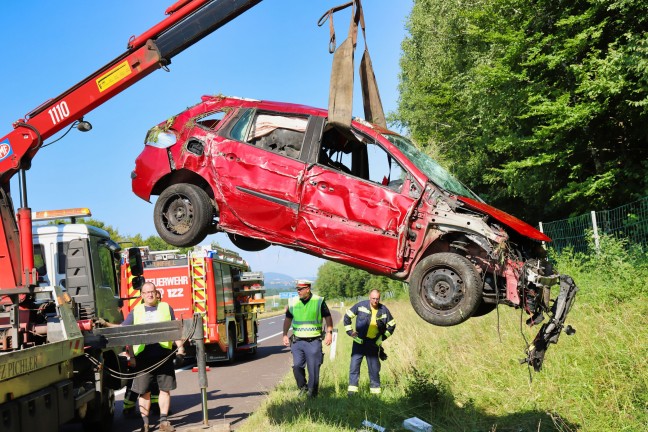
<point>277,173</point>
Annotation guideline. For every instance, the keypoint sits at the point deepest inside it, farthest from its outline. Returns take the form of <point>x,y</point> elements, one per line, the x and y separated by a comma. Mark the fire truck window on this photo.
<point>218,285</point>
<point>228,296</point>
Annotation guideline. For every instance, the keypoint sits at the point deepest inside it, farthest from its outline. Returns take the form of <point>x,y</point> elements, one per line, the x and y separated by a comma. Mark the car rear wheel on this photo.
<point>247,243</point>
<point>445,289</point>
<point>183,215</point>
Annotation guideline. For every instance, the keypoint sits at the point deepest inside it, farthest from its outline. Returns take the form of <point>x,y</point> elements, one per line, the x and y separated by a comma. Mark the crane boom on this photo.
<point>188,22</point>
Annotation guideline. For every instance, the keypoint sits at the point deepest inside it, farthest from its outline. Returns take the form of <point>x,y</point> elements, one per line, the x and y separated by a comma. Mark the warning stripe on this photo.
<point>199,290</point>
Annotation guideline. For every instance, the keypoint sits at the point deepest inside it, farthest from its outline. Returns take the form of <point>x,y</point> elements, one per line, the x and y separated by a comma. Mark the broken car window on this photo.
<point>282,134</point>
<point>435,172</point>
<point>211,120</point>
<point>368,161</point>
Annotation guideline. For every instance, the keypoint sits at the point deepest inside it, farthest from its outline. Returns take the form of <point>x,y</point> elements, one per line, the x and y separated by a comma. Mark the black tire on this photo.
<point>183,215</point>
<point>247,243</point>
<point>445,289</point>
<point>231,346</point>
<point>101,421</point>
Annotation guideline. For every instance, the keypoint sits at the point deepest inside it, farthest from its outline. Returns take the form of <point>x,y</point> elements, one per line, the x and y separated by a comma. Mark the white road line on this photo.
<point>266,338</point>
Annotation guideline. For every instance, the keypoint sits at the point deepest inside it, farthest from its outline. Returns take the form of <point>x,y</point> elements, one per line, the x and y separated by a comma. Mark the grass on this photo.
<point>468,378</point>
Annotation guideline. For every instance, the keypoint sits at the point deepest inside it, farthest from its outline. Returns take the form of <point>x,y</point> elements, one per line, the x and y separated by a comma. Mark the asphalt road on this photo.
<point>234,391</point>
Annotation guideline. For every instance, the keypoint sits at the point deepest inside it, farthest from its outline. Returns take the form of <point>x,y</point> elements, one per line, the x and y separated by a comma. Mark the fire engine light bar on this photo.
<point>61,214</point>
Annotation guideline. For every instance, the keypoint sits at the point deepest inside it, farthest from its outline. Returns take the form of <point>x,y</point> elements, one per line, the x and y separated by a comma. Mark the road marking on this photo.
<point>266,338</point>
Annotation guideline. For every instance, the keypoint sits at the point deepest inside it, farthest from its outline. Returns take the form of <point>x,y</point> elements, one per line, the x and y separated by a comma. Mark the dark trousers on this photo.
<point>307,354</point>
<point>369,350</point>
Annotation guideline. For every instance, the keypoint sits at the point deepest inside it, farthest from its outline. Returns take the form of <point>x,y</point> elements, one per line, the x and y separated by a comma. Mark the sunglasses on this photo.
<point>301,288</point>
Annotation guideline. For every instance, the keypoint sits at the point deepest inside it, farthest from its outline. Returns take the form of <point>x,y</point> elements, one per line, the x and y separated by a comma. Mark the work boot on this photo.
<point>165,426</point>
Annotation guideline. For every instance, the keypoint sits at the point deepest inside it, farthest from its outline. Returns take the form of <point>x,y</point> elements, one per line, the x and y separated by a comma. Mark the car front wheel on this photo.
<point>183,215</point>
<point>445,289</point>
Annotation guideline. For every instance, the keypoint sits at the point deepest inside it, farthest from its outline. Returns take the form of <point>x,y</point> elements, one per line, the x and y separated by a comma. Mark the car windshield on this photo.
<point>435,172</point>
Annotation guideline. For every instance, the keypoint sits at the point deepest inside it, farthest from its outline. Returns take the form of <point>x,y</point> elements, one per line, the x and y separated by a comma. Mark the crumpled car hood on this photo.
<point>512,222</point>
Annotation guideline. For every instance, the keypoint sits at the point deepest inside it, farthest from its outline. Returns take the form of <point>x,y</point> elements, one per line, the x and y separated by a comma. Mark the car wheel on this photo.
<point>183,214</point>
<point>247,243</point>
<point>445,289</point>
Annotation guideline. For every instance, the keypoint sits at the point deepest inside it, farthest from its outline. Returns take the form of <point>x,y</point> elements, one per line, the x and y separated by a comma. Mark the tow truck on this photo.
<point>44,381</point>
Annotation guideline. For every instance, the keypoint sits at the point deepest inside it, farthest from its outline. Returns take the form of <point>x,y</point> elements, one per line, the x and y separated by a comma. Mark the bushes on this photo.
<point>616,273</point>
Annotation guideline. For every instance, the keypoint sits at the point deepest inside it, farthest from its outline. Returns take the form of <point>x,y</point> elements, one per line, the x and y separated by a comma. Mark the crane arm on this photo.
<point>188,22</point>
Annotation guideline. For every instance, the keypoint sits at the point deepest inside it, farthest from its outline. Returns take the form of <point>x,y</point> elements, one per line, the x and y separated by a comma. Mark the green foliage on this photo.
<point>154,242</point>
<point>467,377</point>
<point>616,273</point>
<point>539,103</point>
<point>339,281</point>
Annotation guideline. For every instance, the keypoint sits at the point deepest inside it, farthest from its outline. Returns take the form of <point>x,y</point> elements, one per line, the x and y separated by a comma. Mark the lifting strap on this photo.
<point>341,87</point>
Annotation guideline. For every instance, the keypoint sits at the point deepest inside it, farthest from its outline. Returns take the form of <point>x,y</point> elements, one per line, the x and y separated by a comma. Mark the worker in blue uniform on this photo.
<point>373,324</point>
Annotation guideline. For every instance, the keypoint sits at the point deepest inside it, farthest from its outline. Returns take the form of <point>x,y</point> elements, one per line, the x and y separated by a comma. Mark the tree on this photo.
<point>539,103</point>
<point>339,281</point>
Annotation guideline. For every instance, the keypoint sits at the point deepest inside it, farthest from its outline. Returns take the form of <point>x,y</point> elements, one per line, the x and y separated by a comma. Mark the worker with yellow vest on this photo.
<point>374,324</point>
<point>305,314</point>
<point>145,356</point>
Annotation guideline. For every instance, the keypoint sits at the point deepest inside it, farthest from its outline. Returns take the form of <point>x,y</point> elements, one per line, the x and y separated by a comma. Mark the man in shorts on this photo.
<point>145,356</point>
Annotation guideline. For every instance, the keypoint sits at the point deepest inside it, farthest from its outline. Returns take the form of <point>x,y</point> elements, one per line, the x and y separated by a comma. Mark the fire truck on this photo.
<point>217,284</point>
<point>52,368</point>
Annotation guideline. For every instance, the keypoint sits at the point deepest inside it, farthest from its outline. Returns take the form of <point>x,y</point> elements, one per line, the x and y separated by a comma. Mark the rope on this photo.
<point>132,375</point>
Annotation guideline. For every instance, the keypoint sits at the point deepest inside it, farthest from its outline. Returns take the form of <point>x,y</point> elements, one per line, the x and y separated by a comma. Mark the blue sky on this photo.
<point>275,51</point>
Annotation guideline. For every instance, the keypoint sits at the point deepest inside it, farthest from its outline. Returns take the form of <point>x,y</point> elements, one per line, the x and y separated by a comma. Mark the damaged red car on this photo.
<point>277,173</point>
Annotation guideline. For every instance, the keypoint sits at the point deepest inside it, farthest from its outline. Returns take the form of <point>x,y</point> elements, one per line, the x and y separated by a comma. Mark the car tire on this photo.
<point>183,215</point>
<point>247,243</point>
<point>445,289</point>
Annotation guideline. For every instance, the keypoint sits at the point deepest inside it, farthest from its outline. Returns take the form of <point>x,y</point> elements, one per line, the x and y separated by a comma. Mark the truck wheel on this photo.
<point>247,243</point>
<point>101,421</point>
<point>445,289</point>
<point>231,346</point>
<point>183,214</point>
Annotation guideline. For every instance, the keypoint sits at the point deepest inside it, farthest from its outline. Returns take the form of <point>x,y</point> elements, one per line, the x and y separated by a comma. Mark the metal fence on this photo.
<point>629,221</point>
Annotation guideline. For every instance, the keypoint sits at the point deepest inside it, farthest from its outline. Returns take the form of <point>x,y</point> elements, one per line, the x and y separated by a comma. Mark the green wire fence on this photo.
<point>629,221</point>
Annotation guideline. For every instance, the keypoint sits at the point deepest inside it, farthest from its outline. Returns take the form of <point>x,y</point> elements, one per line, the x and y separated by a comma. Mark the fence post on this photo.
<point>544,245</point>
<point>595,229</point>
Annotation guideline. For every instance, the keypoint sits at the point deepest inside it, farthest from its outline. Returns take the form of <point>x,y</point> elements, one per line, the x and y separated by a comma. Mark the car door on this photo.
<point>354,202</point>
<point>257,169</point>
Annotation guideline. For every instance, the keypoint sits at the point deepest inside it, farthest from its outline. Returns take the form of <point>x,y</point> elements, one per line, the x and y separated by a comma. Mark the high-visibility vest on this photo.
<point>162,313</point>
<point>307,318</point>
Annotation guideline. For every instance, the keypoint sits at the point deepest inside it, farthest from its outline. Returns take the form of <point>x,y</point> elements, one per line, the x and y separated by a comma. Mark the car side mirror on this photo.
<point>135,262</point>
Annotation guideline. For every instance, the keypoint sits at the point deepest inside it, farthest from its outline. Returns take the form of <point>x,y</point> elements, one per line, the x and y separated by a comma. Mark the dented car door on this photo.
<point>351,207</point>
<point>258,170</point>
